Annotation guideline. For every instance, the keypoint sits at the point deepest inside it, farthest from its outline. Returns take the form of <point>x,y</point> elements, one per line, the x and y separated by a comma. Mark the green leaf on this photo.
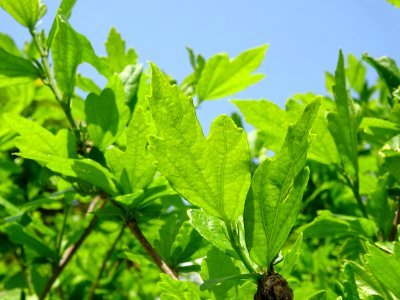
<point>276,192</point>
<point>368,282</point>
<point>355,73</point>
<point>20,236</point>
<point>394,2</point>
<point>349,284</point>
<point>222,77</point>
<point>320,295</point>
<point>387,70</point>
<point>65,9</point>
<point>25,12</point>
<point>35,140</point>
<point>133,167</point>
<point>386,268</point>
<point>130,78</point>
<point>107,114</point>
<point>291,257</point>
<point>214,173</point>
<point>67,55</point>
<point>87,85</point>
<point>213,230</point>
<point>85,169</point>
<point>267,117</point>
<point>210,283</point>
<point>15,69</point>
<point>117,57</point>
<point>8,45</point>
<point>378,206</point>
<point>344,123</point>
<point>218,265</point>
<point>177,289</point>
<point>328,225</point>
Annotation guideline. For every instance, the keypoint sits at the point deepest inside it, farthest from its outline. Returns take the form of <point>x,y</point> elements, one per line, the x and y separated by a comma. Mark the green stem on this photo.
<point>355,187</point>
<point>51,82</point>
<point>234,238</point>
<point>58,246</point>
<point>105,260</point>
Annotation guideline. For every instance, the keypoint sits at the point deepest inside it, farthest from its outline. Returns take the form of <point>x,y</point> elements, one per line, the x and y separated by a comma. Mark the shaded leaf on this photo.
<point>15,69</point>
<point>387,70</point>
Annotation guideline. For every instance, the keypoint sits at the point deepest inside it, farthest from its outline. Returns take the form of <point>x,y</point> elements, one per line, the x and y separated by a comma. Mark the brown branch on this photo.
<point>396,223</point>
<point>71,250</point>
<point>132,225</point>
<point>105,260</point>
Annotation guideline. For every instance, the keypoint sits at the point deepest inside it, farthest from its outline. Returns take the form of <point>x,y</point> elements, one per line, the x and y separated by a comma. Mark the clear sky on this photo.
<point>304,37</point>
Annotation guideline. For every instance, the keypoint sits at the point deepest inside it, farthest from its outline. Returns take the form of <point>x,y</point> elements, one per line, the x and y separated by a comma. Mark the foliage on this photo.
<point>114,192</point>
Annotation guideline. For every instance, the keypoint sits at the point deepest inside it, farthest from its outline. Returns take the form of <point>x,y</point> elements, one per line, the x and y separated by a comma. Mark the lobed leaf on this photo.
<point>214,173</point>
<point>117,57</point>
<point>222,77</point>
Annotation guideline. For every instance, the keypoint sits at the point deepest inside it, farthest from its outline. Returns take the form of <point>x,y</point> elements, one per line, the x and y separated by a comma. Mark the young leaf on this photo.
<point>107,113</point>
<point>25,12</point>
<point>291,256</point>
<point>356,72</point>
<point>65,9</point>
<point>320,295</point>
<point>117,57</point>
<point>387,70</point>
<point>385,267</point>
<point>344,123</point>
<point>67,55</point>
<point>276,192</point>
<point>214,173</point>
<point>267,117</point>
<point>213,230</point>
<point>15,69</point>
<point>8,45</point>
<point>222,77</point>
<point>134,168</point>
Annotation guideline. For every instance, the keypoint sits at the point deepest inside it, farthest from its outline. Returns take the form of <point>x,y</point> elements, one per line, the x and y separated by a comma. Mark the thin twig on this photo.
<point>105,260</point>
<point>396,223</point>
<point>71,250</point>
<point>51,82</point>
<point>133,227</point>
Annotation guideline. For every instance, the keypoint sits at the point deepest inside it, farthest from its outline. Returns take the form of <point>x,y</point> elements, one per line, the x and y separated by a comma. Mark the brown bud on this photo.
<point>273,287</point>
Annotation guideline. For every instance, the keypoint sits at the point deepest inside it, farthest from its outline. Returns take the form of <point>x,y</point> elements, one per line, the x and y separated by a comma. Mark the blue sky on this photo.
<point>304,37</point>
